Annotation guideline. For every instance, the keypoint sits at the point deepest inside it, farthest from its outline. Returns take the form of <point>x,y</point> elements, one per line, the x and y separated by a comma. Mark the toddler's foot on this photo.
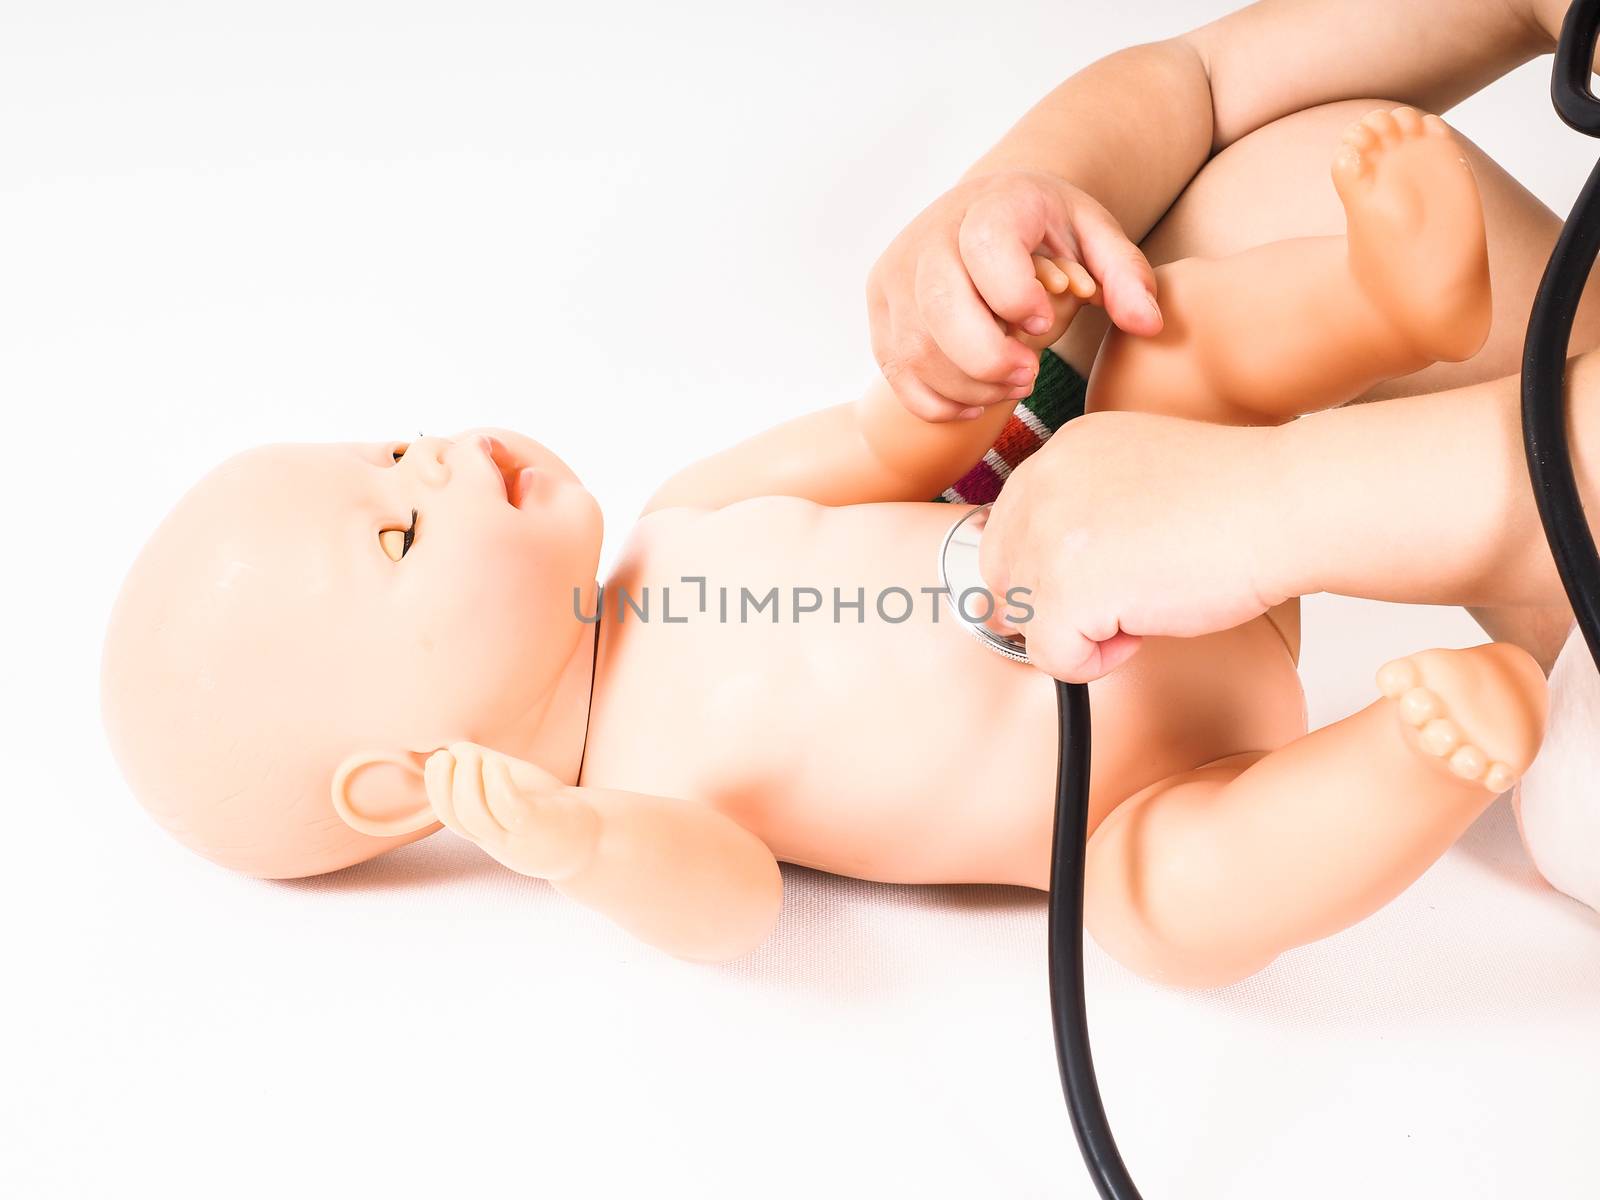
<point>1417,244</point>
<point>1480,712</point>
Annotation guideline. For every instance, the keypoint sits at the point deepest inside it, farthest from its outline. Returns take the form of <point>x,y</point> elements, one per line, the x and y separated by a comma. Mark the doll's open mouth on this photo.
<point>515,476</point>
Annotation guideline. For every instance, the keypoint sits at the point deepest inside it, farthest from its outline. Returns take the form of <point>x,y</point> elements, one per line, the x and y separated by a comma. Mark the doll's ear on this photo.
<point>382,795</point>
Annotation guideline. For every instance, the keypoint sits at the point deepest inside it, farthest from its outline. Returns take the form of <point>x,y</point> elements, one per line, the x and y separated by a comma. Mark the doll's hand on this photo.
<point>1127,525</point>
<point>956,308</point>
<point>518,814</point>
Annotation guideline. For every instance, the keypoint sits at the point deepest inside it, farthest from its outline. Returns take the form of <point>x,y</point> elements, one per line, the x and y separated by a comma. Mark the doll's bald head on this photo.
<point>314,614</point>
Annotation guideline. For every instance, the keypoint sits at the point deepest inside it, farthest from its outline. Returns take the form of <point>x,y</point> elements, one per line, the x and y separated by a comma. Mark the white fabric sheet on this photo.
<point>638,232</point>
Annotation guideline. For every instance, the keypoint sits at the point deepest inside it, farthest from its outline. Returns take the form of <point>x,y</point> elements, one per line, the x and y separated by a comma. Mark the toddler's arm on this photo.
<point>1426,500</point>
<point>1142,525</point>
<point>677,875</point>
<point>1129,132</point>
<point>872,450</point>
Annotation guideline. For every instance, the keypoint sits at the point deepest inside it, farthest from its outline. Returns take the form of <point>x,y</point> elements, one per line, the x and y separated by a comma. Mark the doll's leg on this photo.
<point>1295,326</point>
<point>1204,878</point>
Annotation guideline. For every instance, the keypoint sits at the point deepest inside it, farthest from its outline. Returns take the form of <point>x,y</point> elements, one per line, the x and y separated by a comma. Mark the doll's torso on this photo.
<point>866,741</point>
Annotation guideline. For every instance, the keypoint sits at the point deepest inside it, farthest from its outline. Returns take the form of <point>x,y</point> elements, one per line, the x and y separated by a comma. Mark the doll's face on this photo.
<point>442,571</point>
<point>309,602</point>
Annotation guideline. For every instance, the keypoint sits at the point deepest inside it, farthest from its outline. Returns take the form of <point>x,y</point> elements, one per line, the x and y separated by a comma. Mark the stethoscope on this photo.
<point>1572,545</point>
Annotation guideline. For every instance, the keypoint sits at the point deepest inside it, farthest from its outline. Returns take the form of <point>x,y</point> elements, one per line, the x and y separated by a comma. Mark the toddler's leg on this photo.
<point>1296,326</point>
<point>1205,878</point>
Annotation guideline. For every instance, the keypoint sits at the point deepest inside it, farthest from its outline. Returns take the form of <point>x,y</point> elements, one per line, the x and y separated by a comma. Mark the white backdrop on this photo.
<point>636,231</point>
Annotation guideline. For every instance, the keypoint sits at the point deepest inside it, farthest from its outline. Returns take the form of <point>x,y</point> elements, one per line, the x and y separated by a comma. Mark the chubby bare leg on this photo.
<point>1416,236</point>
<point>1299,325</point>
<point>1274,184</point>
<point>1205,878</point>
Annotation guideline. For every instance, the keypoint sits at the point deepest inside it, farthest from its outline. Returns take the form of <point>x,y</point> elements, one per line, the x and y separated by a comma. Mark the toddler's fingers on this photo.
<point>1125,277</point>
<point>922,401</point>
<point>996,241</point>
<point>1060,653</point>
<point>1067,283</point>
<point>927,383</point>
<point>1072,647</point>
<point>1118,649</point>
<point>963,327</point>
<point>994,559</point>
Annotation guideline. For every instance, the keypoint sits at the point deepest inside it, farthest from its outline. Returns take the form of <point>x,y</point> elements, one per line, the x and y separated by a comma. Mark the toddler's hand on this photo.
<point>1127,525</point>
<point>520,815</point>
<point>957,308</point>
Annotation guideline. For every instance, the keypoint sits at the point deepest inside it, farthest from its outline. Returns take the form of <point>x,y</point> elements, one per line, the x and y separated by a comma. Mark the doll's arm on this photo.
<point>871,450</point>
<point>678,875</point>
<point>856,453</point>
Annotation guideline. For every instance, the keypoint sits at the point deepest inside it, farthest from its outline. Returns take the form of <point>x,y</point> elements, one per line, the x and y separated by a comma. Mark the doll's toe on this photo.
<point>1419,705</point>
<point>1398,677</point>
<point>1439,737</point>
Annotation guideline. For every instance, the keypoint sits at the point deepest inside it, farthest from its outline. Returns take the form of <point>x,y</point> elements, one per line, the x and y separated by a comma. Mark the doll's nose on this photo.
<point>425,456</point>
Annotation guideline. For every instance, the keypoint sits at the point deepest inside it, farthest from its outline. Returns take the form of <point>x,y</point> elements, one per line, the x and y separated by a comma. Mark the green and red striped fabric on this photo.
<point>1057,398</point>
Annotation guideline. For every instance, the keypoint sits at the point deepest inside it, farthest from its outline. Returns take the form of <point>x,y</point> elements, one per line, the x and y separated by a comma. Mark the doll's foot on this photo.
<point>1417,244</point>
<point>1480,712</point>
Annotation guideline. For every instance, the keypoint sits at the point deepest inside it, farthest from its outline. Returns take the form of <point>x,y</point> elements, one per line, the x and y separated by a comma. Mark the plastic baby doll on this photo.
<point>326,652</point>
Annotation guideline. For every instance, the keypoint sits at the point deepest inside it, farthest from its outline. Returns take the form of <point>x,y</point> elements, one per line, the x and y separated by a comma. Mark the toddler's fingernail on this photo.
<point>970,414</point>
<point>1021,393</point>
<point>1036,325</point>
<point>1150,303</point>
<point>1021,377</point>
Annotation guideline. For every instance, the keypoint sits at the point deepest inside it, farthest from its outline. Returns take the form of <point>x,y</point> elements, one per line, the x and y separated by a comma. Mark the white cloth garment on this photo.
<point>1560,796</point>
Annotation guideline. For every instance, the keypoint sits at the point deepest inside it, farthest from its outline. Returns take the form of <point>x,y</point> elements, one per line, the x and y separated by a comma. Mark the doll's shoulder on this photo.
<point>745,525</point>
<point>756,538</point>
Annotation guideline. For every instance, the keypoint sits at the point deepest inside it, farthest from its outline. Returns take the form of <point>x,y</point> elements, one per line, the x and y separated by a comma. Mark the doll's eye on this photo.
<point>397,542</point>
<point>399,451</point>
